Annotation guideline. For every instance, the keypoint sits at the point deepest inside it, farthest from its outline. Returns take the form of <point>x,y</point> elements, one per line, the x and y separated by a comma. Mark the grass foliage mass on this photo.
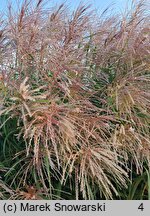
<point>74,102</point>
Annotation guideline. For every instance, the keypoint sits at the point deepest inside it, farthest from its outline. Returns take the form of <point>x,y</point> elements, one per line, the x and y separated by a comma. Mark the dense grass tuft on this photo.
<point>74,103</point>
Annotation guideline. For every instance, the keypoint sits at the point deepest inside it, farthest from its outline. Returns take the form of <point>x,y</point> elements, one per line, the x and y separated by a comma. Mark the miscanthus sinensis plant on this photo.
<point>74,101</point>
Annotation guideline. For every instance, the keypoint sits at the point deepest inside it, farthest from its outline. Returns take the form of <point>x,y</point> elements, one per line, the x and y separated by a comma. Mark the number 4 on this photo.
<point>141,207</point>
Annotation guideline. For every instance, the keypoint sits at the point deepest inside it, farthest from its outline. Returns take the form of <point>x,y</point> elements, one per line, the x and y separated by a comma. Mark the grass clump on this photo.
<point>74,103</point>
